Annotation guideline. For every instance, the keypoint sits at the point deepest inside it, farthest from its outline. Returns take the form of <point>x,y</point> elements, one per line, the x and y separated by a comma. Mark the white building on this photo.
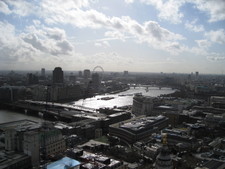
<point>142,105</point>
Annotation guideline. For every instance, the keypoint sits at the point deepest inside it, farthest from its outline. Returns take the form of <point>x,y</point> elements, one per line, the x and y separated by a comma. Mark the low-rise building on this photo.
<point>99,161</point>
<point>33,139</point>
<point>214,120</point>
<point>217,101</point>
<point>63,163</point>
<point>137,129</point>
<point>13,160</point>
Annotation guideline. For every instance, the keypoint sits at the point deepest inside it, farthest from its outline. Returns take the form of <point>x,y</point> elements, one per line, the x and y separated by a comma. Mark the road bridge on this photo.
<point>62,105</point>
<point>150,87</point>
<point>50,110</point>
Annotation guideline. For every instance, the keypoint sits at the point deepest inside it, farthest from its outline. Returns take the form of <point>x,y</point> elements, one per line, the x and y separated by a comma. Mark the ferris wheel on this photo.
<point>99,70</point>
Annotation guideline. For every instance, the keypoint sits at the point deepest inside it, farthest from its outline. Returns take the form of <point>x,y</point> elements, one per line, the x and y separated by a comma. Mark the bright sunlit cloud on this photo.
<point>134,35</point>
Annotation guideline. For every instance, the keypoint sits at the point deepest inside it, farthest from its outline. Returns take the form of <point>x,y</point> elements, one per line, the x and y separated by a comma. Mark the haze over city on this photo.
<point>180,36</point>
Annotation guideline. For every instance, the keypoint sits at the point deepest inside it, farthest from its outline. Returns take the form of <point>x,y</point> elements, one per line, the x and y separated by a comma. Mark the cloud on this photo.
<point>12,48</point>
<point>4,8</point>
<point>129,1</point>
<point>31,46</point>
<point>48,40</point>
<point>193,27</point>
<point>55,33</point>
<point>171,10</point>
<point>217,36</point>
<point>203,43</point>
<point>168,10</point>
<point>116,27</point>
<point>69,4</point>
<point>108,60</point>
<point>215,8</point>
<point>21,7</point>
<point>115,35</point>
<point>102,44</point>
<point>216,57</point>
<point>159,33</point>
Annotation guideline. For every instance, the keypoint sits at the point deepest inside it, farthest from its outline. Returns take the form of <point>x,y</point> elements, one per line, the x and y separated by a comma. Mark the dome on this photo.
<point>163,160</point>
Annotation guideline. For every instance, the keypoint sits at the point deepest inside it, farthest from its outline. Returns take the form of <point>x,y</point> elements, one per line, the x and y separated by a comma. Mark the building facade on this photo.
<point>87,74</point>
<point>138,129</point>
<point>142,105</point>
<point>57,76</point>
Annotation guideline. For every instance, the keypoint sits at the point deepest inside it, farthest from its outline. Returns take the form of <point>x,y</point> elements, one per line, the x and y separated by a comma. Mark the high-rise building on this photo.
<point>197,75</point>
<point>58,75</point>
<point>125,73</point>
<point>42,72</point>
<point>32,79</point>
<point>96,81</point>
<point>80,73</point>
<point>72,78</point>
<point>87,73</point>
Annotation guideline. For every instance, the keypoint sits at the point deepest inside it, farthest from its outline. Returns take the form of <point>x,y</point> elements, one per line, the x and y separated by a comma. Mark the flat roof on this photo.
<point>141,123</point>
<point>8,158</point>
<point>213,164</point>
<point>20,125</point>
<point>63,163</point>
<point>117,114</point>
<point>61,125</point>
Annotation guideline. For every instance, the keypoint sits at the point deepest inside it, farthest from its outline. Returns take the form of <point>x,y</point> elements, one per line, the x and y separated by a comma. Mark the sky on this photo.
<point>174,36</point>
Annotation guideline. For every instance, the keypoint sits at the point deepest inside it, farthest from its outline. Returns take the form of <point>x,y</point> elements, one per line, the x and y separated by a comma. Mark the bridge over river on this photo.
<point>64,112</point>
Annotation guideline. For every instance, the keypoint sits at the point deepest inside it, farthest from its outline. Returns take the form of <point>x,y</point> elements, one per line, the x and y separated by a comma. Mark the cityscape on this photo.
<point>96,119</point>
<point>116,84</point>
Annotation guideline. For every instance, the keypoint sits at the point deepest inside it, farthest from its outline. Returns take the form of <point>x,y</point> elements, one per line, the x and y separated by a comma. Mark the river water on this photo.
<point>121,99</point>
<point>116,100</point>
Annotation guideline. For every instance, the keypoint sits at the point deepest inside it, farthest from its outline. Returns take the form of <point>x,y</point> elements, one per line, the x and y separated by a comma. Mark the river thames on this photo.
<point>100,101</point>
<point>121,99</point>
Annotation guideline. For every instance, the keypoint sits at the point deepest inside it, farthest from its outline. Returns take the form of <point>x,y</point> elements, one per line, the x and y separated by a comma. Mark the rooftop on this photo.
<point>8,158</point>
<point>141,123</point>
<point>213,164</point>
<point>20,125</point>
<point>65,162</point>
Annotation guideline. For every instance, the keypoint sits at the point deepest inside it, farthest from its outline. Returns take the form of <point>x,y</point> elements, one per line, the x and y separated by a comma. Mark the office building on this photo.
<point>138,128</point>
<point>43,72</point>
<point>51,141</point>
<point>87,73</point>
<point>214,120</point>
<point>217,101</point>
<point>32,79</point>
<point>33,139</point>
<point>13,160</point>
<point>63,93</point>
<point>142,105</point>
<point>14,133</point>
<point>80,74</point>
<point>125,73</point>
<point>96,81</point>
<point>72,78</point>
<point>31,146</point>
<point>58,77</point>
<point>197,75</point>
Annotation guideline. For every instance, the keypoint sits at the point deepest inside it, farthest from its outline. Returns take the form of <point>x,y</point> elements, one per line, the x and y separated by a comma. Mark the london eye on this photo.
<point>99,70</point>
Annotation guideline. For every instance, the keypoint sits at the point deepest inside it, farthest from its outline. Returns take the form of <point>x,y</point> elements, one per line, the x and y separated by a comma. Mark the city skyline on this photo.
<point>180,36</point>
